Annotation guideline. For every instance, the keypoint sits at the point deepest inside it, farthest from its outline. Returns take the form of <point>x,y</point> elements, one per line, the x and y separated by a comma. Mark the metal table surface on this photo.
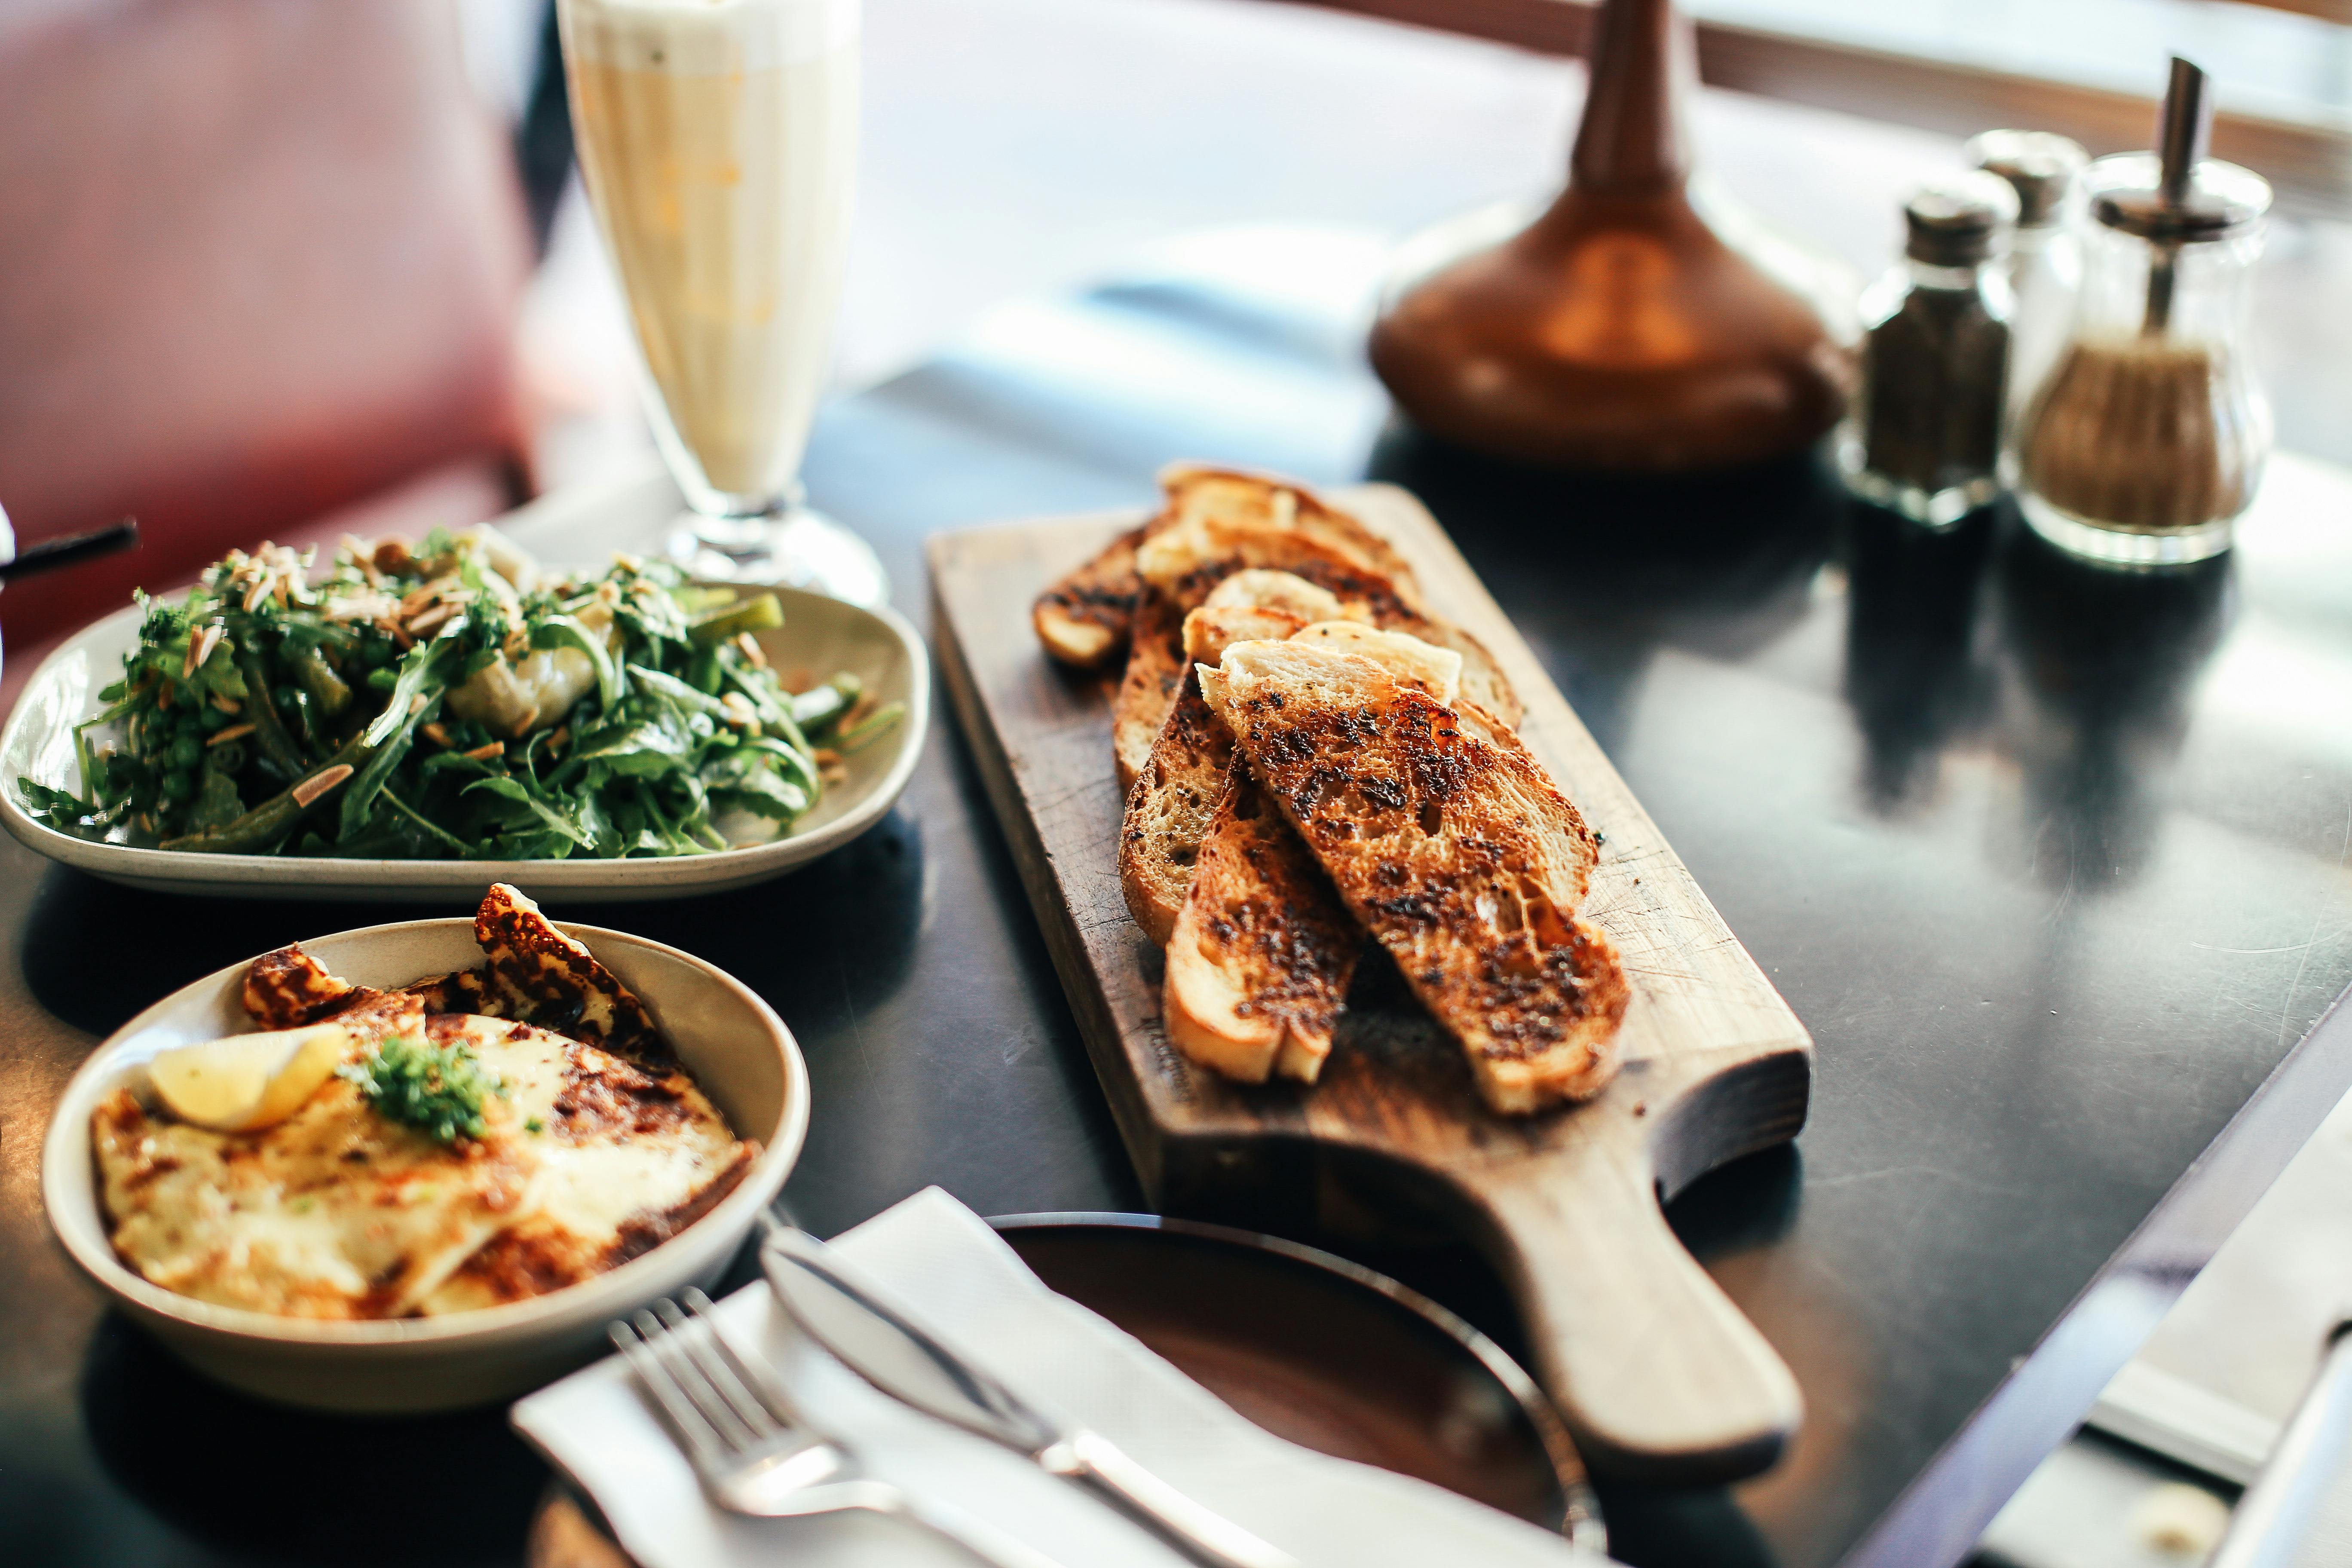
<point>2051,862</point>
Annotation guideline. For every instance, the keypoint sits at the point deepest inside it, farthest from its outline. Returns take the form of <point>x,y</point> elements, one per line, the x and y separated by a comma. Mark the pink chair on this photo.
<point>258,259</point>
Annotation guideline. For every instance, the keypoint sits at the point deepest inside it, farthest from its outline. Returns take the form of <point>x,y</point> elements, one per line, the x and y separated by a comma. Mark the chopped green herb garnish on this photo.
<point>439,1089</point>
<point>534,1125</point>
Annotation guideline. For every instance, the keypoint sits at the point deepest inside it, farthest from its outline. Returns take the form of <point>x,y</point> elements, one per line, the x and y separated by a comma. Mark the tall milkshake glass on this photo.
<point>718,141</point>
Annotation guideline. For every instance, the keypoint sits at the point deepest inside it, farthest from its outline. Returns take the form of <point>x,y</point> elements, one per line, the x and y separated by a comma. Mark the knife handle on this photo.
<point>1206,1535</point>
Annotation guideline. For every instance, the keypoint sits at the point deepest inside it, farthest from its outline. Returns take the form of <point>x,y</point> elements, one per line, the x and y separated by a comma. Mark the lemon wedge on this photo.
<point>246,1081</point>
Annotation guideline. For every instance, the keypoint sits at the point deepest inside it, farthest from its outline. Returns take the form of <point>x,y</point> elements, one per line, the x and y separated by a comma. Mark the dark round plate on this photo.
<point>1332,1356</point>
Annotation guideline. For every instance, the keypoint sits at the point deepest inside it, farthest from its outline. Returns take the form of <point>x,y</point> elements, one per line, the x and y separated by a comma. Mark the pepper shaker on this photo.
<point>1925,440</point>
<point>2147,438</point>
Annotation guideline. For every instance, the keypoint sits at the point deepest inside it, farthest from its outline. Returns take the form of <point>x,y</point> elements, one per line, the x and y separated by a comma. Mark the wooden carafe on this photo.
<point>1623,328</point>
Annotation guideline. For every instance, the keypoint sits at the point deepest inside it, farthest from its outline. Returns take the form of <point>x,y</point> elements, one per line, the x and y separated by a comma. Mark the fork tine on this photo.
<point>755,1374</point>
<point>694,1338</point>
<point>687,1421</point>
<point>733,1432</point>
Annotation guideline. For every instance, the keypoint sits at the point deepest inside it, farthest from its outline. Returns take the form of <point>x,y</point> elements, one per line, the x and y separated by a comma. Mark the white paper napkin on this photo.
<point>942,1261</point>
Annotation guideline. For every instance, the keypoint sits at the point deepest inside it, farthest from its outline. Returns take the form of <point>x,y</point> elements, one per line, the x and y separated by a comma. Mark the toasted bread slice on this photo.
<point>1263,952</point>
<point>1085,619</point>
<point>1457,853</point>
<point>1213,512</point>
<point>1178,787</point>
<point>1255,606</point>
<point>1246,605</point>
<point>1363,594</point>
<point>1146,692</point>
<point>1168,810</point>
<point>1177,784</point>
<point>1436,670</point>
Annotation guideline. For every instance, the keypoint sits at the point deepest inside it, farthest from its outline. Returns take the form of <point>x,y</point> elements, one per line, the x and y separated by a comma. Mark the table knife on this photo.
<point>854,1319</point>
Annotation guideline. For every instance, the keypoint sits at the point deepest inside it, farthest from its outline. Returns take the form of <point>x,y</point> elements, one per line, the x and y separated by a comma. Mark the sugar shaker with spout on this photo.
<point>2147,439</point>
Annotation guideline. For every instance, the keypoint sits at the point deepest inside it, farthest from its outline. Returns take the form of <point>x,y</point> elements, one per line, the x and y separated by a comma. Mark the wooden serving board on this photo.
<point>1657,1372</point>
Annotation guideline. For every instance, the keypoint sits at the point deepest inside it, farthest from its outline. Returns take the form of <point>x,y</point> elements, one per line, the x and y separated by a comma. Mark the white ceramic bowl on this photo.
<point>736,1047</point>
<point>819,634</point>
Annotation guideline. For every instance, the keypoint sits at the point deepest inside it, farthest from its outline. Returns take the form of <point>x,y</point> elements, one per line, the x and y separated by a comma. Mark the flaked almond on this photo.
<point>484,753</point>
<point>200,649</point>
<point>233,733</point>
<point>750,649</point>
<point>437,734</point>
<point>432,620</point>
<point>261,590</point>
<point>320,783</point>
<point>362,556</point>
<point>226,704</point>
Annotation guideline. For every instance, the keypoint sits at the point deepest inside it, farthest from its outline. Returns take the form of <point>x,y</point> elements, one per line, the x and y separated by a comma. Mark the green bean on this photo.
<point>277,748</point>
<point>819,706</point>
<point>265,825</point>
<point>328,691</point>
<point>858,735</point>
<point>760,614</point>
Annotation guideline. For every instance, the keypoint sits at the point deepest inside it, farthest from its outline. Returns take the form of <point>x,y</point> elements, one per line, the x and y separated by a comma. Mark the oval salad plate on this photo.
<point>819,634</point>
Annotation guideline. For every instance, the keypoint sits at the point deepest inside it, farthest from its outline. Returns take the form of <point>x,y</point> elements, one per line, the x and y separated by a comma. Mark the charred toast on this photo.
<point>1453,849</point>
<point>1083,619</point>
<point>1178,786</point>
<point>1262,950</point>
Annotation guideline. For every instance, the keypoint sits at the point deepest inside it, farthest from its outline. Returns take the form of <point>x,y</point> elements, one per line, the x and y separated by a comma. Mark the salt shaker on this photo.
<point>2148,437</point>
<point>1924,438</point>
<point>2044,267</point>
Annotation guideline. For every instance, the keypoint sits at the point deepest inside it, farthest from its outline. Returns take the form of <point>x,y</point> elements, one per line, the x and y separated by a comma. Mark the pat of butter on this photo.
<point>248,1081</point>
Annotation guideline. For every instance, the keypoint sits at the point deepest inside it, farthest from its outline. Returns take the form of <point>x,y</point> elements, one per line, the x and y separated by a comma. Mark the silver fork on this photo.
<point>755,1452</point>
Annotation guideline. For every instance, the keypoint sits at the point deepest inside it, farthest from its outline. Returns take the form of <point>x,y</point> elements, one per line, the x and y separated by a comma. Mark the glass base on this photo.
<point>796,548</point>
<point>2115,547</point>
<point>1939,509</point>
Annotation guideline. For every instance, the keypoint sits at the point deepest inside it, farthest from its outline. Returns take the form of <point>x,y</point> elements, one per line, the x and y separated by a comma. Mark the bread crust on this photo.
<point>1224,506</point>
<point>1146,692</point>
<point>1262,952</point>
<point>1083,619</point>
<point>1456,851</point>
<point>1168,810</point>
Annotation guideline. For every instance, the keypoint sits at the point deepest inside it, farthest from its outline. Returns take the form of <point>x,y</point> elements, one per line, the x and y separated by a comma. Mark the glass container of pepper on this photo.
<point>1924,438</point>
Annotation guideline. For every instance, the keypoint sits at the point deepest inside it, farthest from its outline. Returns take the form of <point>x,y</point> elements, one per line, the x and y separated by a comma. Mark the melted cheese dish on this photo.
<point>586,1158</point>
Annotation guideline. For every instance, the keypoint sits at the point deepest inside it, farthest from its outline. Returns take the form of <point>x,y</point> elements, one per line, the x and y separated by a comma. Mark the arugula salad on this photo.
<point>449,700</point>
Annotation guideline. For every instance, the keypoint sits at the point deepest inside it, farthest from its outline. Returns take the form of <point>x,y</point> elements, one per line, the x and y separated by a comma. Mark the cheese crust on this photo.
<point>588,1156</point>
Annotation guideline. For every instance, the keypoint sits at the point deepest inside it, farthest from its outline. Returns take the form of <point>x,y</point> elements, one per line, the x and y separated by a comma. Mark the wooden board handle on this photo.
<point>1657,1374</point>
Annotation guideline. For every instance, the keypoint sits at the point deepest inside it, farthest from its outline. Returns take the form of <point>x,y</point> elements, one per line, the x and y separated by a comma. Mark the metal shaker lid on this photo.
<point>1960,219</point>
<point>2221,202</point>
<point>2041,166</point>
